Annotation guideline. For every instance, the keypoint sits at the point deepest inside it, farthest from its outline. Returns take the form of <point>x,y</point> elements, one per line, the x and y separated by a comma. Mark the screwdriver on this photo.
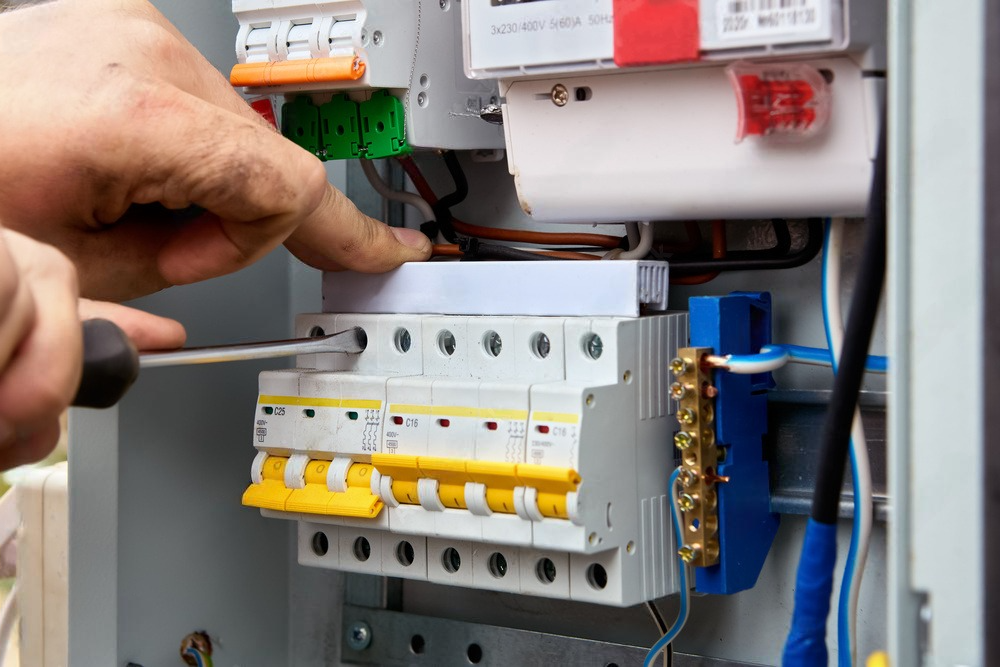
<point>111,363</point>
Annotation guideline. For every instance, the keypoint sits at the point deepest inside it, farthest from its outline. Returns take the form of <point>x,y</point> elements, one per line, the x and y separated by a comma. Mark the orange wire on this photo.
<point>719,245</point>
<point>445,250</point>
<point>694,279</point>
<point>452,250</point>
<point>719,239</point>
<point>495,234</point>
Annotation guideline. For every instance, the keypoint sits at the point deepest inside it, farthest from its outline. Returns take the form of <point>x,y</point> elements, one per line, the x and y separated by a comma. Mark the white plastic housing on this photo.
<point>619,288</point>
<point>517,39</point>
<point>654,145</point>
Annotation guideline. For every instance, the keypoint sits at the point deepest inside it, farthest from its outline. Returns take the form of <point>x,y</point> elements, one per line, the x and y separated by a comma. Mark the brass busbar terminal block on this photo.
<point>697,499</point>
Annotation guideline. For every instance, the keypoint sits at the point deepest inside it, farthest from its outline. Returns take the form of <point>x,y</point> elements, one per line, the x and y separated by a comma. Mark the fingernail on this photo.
<point>411,238</point>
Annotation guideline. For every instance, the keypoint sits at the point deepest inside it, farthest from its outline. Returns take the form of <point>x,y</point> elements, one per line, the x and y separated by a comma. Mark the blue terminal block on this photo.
<point>739,323</point>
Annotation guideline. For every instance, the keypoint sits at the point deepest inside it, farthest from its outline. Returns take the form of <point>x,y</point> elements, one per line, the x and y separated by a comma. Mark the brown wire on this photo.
<point>513,235</point>
<point>719,247</point>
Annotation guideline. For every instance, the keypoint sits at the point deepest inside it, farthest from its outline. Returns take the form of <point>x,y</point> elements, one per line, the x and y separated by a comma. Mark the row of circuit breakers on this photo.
<point>527,454</point>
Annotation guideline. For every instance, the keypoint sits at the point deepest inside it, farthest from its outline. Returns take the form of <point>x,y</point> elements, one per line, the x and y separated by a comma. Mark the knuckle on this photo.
<point>59,267</point>
<point>315,186</point>
<point>47,397</point>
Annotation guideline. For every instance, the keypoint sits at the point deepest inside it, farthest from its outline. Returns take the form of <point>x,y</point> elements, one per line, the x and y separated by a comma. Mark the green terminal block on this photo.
<point>340,122</point>
<point>383,131</point>
<point>300,123</point>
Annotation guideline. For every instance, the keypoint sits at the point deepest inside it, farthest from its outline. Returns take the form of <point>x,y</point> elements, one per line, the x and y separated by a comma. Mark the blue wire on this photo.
<point>816,355</point>
<point>843,604</point>
<point>682,613</point>
<point>197,656</point>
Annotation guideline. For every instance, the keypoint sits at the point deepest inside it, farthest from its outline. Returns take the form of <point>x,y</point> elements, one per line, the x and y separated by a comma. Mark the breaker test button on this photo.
<point>786,100</point>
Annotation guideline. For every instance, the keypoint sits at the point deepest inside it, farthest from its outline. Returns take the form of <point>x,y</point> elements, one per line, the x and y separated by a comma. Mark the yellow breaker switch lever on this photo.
<point>547,486</point>
<point>271,493</point>
<point>315,497</point>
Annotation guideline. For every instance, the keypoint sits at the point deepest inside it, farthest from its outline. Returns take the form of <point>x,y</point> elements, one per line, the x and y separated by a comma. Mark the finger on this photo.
<point>31,447</point>
<point>256,185</point>
<point>44,372</point>
<point>17,310</point>
<point>337,235</point>
<point>147,331</point>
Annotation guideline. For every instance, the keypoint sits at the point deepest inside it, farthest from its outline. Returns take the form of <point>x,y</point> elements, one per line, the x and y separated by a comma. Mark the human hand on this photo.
<point>133,114</point>
<point>41,346</point>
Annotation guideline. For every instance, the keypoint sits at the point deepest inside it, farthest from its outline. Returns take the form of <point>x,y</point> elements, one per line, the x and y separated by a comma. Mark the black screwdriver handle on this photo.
<point>110,365</point>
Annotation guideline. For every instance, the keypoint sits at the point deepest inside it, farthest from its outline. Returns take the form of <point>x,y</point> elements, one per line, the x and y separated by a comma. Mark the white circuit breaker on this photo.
<point>412,49</point>
<point>513,453</point>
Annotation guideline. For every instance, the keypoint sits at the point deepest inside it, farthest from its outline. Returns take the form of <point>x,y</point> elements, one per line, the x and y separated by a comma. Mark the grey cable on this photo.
<point>645,243</point>
<point>381,187</point>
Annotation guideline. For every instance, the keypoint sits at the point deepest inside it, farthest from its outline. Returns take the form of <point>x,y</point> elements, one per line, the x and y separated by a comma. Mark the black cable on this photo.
<point>782,238</point>
<point>753,260</point>
<point>857,338</point>
<point>442,209</point>
<point>473,249</point>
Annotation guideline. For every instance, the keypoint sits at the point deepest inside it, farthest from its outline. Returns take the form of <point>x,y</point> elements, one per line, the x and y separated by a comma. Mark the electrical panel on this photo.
<point>512,425</point>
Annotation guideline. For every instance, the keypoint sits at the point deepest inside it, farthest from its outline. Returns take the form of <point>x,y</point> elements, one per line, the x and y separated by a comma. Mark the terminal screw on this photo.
<point>677,391</point>
<point>685,416</point>
<point>560,96</point>
<point>689,552</point>
<point>687,502</point>
<point>686,477</point>
<point>683,440</point>
<point>359,637</point>
<point>678,366</point>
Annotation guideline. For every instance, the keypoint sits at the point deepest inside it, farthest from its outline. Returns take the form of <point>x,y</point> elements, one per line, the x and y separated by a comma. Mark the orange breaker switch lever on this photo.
<point>786,100</point>
<point>290,72</point>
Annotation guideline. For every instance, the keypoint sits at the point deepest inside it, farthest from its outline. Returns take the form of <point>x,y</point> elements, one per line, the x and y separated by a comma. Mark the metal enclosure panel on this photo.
<point>936,310</point>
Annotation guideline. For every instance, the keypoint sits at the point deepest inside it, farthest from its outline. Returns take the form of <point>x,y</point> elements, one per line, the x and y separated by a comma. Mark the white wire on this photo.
<point>863,503</point>
<point>8,615</point>
<point>381,187</point>
<point>643,246</point>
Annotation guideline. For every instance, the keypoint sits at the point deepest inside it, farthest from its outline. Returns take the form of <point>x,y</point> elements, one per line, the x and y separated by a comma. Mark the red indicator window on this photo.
<point>444,423</point>
<point>264,107</point>
<point>791,101</point>
<point>491,426</point>
<point>397,420</point>
<point>542,428</point>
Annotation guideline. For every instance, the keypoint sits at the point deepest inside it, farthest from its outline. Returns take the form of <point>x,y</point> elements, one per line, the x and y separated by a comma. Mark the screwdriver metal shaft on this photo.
<point>351,341</point>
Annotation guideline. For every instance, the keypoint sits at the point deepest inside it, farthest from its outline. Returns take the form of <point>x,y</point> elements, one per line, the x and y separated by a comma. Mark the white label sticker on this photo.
<point>738,19</point>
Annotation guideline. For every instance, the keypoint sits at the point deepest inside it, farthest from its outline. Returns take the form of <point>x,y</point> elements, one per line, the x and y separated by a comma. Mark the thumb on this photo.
<point>147,331</point>
<point>339,236</point>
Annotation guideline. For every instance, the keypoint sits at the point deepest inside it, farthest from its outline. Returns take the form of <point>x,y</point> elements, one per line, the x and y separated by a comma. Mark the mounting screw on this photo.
<point>359,637</point>
<point>377,38</point>
<point>443,4</point>
<point>560,96</point>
